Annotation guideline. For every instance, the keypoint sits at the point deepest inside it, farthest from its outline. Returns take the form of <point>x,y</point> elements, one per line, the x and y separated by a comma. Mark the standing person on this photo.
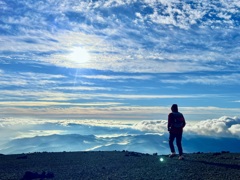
<point>176,123</point>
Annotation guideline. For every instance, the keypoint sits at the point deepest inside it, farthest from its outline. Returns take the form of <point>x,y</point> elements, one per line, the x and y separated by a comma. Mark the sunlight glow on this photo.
<point>79,55</point>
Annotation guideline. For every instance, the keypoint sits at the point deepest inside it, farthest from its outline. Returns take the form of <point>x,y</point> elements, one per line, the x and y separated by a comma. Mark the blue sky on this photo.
<point>119,60</point>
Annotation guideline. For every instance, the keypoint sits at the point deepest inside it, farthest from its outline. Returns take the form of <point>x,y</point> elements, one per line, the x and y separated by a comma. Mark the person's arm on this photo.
<point>169,122</point>
<point>184,122</point>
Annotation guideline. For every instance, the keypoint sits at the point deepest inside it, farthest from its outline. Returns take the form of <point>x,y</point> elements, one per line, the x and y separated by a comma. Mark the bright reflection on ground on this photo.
<point>161,159</point>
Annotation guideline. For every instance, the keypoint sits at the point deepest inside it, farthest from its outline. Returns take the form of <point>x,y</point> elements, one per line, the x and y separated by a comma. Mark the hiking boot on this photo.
<point>181,157</point>
<point>172,155</point>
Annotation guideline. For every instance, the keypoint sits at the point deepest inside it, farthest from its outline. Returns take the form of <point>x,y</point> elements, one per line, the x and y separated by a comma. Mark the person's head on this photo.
<point>174,108</point>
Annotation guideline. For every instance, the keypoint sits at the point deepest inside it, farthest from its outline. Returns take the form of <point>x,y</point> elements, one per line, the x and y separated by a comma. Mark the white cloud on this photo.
<point>235,129</point>
<point>41,94</point>
<point>158,126</point>
<point>111,109</point>
<point>116,3</point>
<point>172,14</point>
<point>207,79</point>
<point>52,103</point>
<point>114,77</point>
<point>129,54</point>
<point>222,127</point>
<point>84,88</point>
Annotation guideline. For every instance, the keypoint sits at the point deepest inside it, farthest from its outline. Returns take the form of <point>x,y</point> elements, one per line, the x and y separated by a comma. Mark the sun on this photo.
<point>79,55</point>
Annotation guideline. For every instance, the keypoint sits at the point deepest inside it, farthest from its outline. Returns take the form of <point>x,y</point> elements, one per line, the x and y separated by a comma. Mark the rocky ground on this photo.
<point>115,165</point>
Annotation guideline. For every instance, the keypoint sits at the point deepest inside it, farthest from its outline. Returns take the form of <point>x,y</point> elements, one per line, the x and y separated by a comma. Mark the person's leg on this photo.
<point>171,140</point>
<point>179,143</point>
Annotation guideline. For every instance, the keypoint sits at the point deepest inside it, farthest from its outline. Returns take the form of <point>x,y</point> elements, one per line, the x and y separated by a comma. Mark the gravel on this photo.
<point>120,165</point>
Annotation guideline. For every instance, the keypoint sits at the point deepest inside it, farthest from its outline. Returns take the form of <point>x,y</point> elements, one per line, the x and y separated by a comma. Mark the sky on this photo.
<point>119,60</point>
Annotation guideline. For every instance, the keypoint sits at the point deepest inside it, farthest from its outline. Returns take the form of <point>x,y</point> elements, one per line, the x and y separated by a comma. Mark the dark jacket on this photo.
<point>171,122</point>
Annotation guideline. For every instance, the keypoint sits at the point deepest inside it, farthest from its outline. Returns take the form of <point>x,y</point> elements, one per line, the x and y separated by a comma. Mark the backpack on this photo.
<point>178,120</point>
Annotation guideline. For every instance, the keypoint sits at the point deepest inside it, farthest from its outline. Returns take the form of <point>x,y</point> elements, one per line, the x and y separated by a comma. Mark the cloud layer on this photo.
<point>144,136</point>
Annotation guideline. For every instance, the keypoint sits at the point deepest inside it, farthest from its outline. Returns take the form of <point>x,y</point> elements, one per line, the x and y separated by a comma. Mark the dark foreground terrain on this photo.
<point>115,165</point>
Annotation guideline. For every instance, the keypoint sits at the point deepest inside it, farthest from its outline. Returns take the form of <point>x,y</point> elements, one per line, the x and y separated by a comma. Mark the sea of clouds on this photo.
<point>149,136</point>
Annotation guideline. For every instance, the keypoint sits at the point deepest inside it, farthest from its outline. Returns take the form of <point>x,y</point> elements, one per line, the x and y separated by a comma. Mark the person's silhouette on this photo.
<point>176,123</point>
